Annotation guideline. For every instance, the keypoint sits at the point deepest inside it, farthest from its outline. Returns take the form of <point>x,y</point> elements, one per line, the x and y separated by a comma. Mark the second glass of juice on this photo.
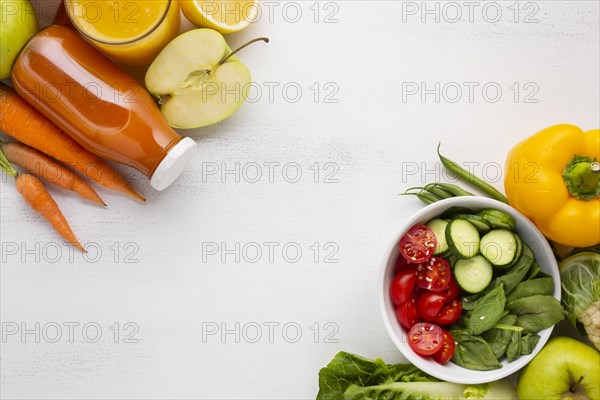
<point>131,32</point>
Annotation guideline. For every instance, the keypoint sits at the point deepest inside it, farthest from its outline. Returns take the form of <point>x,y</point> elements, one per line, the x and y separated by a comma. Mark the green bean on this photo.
<point>433,192</point>
<point>471,178</point>
<point>438,191</point>
<point>412,188</point>
<point>427,198</point>
<point>453,189</point>
<point>408,192</point>
<point>423,195</point>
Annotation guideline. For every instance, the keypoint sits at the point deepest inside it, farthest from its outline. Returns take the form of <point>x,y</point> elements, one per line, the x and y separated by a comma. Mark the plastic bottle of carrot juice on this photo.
<point>100,106</point>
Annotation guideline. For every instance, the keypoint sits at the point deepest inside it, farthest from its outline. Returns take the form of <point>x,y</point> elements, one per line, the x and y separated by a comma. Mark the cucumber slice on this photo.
<point>462,238</point>
<point>452,211</point>
<point>479,222</point>
<point>499,246</point>
<point>518,251</point>
<point>473,274</point>
<point>498,219</point>
<point>438,226</point>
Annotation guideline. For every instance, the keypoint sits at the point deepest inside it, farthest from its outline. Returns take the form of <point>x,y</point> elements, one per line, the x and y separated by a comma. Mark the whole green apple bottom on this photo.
<point>564,369</point>
<point>18,24</point>
<point>198,80</point>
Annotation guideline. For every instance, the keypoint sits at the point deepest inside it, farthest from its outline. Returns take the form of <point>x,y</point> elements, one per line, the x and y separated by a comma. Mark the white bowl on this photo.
<point>452,372</point>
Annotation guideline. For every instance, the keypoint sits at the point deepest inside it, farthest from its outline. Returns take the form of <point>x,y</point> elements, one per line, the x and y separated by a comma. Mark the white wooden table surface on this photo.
<point>260,263</point>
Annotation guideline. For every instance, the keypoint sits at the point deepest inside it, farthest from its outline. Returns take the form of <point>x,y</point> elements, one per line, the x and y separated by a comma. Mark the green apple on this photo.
<point>564,369</point>
<point>17,24</point>
<point>198,80</point>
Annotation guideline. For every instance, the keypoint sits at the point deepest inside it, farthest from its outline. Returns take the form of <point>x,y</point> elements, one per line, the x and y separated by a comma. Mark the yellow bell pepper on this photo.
<point>553,178</point>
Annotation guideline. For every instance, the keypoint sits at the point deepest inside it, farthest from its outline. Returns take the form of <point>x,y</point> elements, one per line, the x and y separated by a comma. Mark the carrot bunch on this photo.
<point>42,151</point>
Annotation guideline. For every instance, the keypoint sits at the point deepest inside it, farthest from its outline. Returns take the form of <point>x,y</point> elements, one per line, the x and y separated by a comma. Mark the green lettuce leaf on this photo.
<point>352,377</point>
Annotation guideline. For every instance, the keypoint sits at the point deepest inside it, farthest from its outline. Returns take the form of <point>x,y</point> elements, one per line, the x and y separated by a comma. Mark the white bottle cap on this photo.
<point>173,164</point>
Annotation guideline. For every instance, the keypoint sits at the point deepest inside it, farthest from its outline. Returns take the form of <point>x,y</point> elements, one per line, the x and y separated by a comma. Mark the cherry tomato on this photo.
<point>434,274</point>
<point>447,351</point>
<point>426,338</point>
<point>402,264</point>
<point>449,314</point>
<point>407,313</point>
<point>453,291</point>
<point>429,304</point>
<point>402,286</point>
<point>418,244</point>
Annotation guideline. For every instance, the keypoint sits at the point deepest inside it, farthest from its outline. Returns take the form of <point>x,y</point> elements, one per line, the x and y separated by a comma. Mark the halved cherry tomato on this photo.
<point>402,286</point>
<point>434,274</point>
<point>418,244</point>
<point>429,304</point>
<point>453,291</point>
<point>449,314</point>
<point>426,338</point>
<point>447,350</point>
<point>402,264</point>
<point>407,313</point>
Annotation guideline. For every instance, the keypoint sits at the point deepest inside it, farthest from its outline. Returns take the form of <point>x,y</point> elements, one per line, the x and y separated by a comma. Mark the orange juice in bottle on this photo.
<point>100,106</point>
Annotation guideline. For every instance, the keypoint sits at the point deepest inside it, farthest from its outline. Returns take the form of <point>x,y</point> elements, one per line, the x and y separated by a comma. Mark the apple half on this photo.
<point>198,80</point>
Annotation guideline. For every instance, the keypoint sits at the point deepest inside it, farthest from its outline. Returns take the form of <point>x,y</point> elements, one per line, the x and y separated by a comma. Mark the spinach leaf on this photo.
<point>528,342</point>
<point>521,345</point>
<point>498,338</point>
<point>531,288</point>
<point>487,312</point>
<point>473,352</point>
<point>537,312</point>
<point>463,320</point>
<point>516,274</point>
<point>470,302</point>
<point>534,272</point>
<point>541,275</point>
<point>513,351</point>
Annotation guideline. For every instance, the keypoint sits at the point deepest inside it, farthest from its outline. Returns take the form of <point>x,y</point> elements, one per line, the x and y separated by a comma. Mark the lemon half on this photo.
<point>225,16</point>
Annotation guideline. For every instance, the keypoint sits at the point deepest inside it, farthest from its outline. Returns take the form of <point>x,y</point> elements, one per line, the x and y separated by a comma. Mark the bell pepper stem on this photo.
<point>582,177</point>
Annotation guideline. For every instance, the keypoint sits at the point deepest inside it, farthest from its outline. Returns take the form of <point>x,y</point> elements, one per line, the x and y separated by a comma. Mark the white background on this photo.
<point>147,263</point>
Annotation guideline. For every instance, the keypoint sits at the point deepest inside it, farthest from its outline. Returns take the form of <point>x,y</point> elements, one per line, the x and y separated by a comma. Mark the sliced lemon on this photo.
<point>225,16</point>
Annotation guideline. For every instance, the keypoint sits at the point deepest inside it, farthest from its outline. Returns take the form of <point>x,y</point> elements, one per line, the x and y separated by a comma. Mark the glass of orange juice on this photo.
<point>132,32</point>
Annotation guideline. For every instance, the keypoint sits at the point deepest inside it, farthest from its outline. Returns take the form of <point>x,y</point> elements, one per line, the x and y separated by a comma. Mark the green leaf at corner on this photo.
<point>351,377</point>
<point>346,369</point>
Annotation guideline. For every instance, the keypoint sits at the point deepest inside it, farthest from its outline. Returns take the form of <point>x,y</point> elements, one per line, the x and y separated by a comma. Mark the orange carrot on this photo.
<point>26,124</point>
<point>35,194</point>
<point>50,170</point>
